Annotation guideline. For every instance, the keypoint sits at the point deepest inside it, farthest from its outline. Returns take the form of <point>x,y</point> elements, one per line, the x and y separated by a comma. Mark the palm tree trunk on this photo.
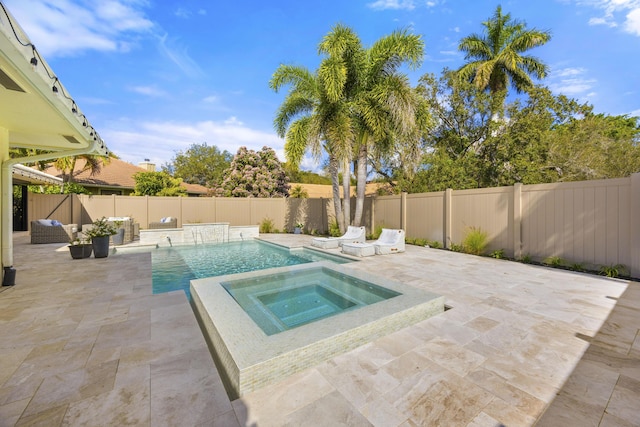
<point>346,190</point>
<point>361,184</point>
<point>335,186</point>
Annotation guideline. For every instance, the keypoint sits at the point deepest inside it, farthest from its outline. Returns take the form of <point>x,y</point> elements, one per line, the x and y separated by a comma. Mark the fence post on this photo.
<point>517,220</point>
<point>403,211</point>
<point>373,214</point>
<point>634,243</point>
<point>447,218</point>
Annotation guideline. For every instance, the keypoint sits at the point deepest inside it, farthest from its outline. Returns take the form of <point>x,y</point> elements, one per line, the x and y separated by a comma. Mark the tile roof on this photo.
<point>115,173</point>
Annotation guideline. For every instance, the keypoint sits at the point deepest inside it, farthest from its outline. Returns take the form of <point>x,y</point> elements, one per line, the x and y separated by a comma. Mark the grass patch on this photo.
<point>475,241</point>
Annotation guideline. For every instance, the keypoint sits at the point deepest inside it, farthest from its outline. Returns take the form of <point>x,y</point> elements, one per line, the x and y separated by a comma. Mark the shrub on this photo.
<point>421,242</point>
<point>553,261</point>
<point>526,259</point>
<point>613,270</point>
<point>267,226</point>
<point>334,228</point>
<point>475,241</point>
<point>434,244</point>
<point>577,267</point>
<point>497,254</point>
<point>456,248</point>
<point>298,192</point>
<point>377,231</point>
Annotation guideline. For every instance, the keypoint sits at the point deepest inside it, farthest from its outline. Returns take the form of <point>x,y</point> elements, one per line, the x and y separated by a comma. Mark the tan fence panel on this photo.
<point>387,211</point>
<point>586,222</point>
<point>236,211</point>
<point>162,207</point>
<point>94,207</point>
<point>198,210</point>
<point>135,207</point>
<point>425,216</point>
<point>51,206</point>
<point>273,208</point>
<point>490,209</point>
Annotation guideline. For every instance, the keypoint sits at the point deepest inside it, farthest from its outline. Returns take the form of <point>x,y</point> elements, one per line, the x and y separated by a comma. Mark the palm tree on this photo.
<point>496,60</point>
<point>356,99</point>
<point>313,118</point>
<point>383,105</point>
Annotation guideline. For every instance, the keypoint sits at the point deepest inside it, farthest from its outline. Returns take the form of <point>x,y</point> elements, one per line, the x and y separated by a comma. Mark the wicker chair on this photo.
<point>52,233</point>
<point>172,223</point>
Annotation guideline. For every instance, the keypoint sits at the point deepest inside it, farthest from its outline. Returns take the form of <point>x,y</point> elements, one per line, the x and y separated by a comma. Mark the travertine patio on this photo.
<point>84,342</point>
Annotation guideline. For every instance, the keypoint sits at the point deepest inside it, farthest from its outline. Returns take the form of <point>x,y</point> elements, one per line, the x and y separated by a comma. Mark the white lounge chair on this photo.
<point>353,235</point>
<point>390,242</point>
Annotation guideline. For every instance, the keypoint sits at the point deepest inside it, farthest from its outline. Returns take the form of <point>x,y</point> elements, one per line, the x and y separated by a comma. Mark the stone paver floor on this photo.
<point>84,342</point>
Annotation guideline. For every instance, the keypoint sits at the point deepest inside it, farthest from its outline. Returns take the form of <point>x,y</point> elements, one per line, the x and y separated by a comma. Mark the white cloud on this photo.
<point>602,21</point>
<point>151,91</point>
<point>567,72</point>
<point>211,99</point>
<point>572,82</point>
<point>625,13</point>
<point>392,4</point>
<point>634,113</point>
<point>179,55</point>
<point>159,141</point>
<point>632,24</point>
<point>67,27</point>
<point>182,13</point>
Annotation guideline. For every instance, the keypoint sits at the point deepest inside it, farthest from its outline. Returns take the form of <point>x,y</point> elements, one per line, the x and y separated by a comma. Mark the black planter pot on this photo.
<point>80,251</point>
<point>100,246</point>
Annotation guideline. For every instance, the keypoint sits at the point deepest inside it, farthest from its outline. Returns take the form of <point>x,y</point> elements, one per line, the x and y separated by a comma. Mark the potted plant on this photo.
<point>298,228</point>
<point>80,248</point>
<point>99,234</point>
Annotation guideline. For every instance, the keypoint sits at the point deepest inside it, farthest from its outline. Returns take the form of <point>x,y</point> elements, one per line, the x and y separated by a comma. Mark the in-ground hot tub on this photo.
<point>296,317</point>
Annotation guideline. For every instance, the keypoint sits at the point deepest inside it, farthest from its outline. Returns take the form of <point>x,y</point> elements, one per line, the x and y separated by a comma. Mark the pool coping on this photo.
<point>251,359</point>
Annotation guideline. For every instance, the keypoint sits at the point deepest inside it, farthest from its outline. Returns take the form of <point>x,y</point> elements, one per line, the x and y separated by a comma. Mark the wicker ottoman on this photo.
<point>358,249</point>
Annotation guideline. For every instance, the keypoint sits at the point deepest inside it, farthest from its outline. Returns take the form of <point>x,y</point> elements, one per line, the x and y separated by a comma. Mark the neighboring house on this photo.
<point>116,177</point>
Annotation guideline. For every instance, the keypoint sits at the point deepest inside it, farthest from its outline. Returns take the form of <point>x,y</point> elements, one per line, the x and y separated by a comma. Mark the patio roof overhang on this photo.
<point>36,112</point>
<point>24,175</point>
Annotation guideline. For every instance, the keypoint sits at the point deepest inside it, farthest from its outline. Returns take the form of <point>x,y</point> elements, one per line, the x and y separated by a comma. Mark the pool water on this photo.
<point>174,267</point>
<point>282,301</point>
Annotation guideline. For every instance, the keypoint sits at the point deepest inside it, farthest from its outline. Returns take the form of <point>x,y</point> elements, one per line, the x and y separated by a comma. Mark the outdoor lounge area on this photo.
<point>86,340</point>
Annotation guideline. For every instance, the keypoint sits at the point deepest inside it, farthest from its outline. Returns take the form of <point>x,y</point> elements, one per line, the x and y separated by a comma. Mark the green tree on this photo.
<point>383,105</point>
<point>254,174</point>
<point>595,146</point>
<point>68,188</point>
<point>356,99</point>
<point>200,164</point>
<point>314,117</point>
<point>455,146</point>
<point>496,58</point>
<point>157,184</point>
<point>305,177</point>
<point>298,192</point>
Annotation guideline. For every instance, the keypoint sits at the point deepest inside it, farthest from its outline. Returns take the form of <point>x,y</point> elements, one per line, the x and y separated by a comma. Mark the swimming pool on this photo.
<point>248,358</point>
<point>174,267</point>
<point>286,300</point>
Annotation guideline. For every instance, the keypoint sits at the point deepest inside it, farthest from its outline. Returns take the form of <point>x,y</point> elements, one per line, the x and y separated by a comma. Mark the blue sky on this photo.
<point>155,76</point>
